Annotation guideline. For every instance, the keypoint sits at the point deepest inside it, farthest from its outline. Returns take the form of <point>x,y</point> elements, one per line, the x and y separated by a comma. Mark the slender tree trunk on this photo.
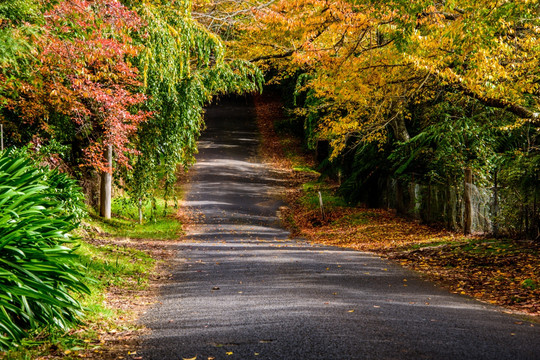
<point>400,206</point>
<point>106,187</point>
<point>467,199</point>
<point>535,207</point>
<point>140,212</point>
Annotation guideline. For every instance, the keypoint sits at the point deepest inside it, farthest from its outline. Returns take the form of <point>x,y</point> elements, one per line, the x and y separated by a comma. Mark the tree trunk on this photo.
<point>140,212</point>
<point>400,129</point>
<point>467,199</point>
<point>400,205</point>
<point>106,187</point>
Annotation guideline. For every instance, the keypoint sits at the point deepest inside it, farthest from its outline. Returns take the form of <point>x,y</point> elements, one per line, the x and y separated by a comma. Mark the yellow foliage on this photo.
<point>368,62</point>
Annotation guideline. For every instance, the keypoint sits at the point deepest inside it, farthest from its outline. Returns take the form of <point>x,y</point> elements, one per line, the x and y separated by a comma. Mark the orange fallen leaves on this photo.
<point>502,272</point>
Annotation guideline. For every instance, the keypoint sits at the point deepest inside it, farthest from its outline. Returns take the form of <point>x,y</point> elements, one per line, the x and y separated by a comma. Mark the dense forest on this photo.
<point>401,100</point>
<point>431,108</point>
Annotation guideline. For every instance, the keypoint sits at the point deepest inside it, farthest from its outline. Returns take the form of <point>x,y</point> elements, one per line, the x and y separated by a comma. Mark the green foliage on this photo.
<point>63,189</point>
<point>18,11</point>
<point>183,66</point>
<point>363,172</point>
<point>451,136</point>
<point>16,30</point>
<point>38,272</point>
<point>159,217</point>
<point>109,265</point>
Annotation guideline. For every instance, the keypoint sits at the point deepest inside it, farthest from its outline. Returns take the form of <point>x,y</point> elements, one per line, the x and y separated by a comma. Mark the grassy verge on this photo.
<point>121,260</point>
<point>499,271</point>
<point>159,220</point>
<point>109,266</point>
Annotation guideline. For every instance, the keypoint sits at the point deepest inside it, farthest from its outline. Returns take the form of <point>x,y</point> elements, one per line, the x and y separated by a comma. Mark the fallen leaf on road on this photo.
<point>351,311</point>
<point>229,353</point>
<point>193,358</point>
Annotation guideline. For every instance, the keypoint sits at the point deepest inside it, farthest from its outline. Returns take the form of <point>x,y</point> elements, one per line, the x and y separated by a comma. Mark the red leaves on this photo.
<point>83,73</point>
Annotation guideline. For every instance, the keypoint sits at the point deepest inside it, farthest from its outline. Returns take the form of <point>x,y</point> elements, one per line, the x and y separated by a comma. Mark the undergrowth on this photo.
<point>499,271</point>
<point>110,265</point>
<point>107,266</point>
<point>160,220</point>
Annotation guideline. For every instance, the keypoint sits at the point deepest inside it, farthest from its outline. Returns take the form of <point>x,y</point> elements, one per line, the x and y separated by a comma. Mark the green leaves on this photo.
<point>37,272</point>
<point>183,66</point>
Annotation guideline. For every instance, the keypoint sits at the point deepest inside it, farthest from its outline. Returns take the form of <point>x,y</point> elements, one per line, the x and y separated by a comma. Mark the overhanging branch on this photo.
<point>515,109</point>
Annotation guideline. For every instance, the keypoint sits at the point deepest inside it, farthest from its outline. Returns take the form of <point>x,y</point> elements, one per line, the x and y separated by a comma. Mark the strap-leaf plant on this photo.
<point>39,274</point>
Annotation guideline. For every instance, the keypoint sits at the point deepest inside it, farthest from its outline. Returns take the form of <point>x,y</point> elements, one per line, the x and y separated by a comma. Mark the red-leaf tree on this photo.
<point>83,88</point>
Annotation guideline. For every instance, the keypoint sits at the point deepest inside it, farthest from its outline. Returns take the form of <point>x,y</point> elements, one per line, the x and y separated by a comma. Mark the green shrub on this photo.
<point>38,272</point>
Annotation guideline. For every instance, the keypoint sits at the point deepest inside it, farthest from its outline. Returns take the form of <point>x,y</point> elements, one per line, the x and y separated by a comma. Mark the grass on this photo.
<point>115,265</point>
<point>160,221</point>
<point>310,196</point>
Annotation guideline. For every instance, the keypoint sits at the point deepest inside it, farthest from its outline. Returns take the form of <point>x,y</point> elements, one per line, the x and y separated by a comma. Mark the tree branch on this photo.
<point>273,56</point>
<point>515,109</point>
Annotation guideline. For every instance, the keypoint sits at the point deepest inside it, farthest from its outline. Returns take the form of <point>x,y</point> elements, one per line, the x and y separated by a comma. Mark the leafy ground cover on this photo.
<point>124,265</point>
<point>113,268</point>
<point>505,272</point>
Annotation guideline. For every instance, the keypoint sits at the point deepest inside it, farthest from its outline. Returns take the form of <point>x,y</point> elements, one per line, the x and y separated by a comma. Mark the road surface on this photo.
<point>243,290</point>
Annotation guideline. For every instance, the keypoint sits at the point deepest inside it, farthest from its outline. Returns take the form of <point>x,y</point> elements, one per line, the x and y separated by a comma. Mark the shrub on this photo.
<point>38,272</point>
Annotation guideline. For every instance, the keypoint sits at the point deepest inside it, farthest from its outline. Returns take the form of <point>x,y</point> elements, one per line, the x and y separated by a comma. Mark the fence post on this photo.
<point>467,200</point>
<point>321,205</point>
<point>106,187</point>
<point>140,212</point>
<point>495,214</point>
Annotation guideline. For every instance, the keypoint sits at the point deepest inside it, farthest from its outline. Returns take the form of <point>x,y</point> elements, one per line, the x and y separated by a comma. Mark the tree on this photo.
<point>183,65</point>
<point>368,60</point>
<point>82,86</point>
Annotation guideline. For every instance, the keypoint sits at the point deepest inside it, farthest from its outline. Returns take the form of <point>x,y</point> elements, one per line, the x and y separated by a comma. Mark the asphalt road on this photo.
<point>242,290</point>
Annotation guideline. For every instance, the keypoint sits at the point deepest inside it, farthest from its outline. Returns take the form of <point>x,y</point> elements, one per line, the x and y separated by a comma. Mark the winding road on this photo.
<point>243,290</point>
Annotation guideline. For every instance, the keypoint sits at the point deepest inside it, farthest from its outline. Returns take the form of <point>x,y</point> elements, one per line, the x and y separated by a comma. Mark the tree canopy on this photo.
<point>409,91</point>
<point>365,62</point>
<point>89,74</point>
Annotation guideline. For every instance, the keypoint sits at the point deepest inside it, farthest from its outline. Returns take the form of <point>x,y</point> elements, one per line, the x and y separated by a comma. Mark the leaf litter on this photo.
<point>504,272</point>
